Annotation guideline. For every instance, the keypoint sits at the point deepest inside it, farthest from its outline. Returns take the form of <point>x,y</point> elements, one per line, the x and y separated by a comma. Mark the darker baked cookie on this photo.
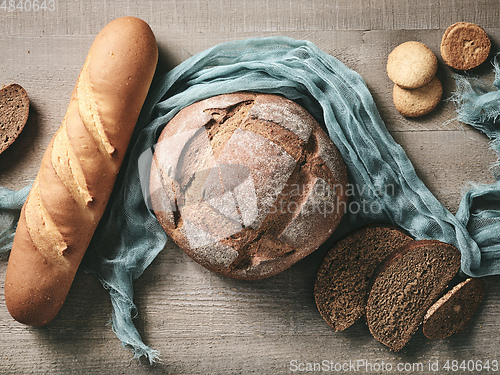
<point>464,46</point>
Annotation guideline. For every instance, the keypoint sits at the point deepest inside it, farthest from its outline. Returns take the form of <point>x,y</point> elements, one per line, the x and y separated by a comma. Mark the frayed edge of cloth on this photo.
<point>478,102</point>
<point>478,105</point>
<point>124,310</point>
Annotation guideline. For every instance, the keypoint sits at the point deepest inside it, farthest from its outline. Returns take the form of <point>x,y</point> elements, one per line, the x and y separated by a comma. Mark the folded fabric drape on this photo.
<point>383,184</point>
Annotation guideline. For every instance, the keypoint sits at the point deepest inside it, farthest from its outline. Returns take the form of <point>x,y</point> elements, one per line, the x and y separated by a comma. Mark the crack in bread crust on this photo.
<point>43,231</point>
<point>89,112</point>
<point>68,168</point>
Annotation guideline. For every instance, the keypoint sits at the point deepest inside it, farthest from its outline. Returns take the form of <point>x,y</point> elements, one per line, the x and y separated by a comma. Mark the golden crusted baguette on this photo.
<point>78,170</point>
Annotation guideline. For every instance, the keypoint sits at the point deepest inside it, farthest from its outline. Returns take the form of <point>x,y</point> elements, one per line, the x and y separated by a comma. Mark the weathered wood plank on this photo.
<point>234,16</point>
<point>201,322</point>
<point>205,323</point>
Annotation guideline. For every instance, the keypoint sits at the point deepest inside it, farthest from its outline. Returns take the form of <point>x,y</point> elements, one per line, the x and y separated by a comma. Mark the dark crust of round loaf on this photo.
<point>14,112</point>
<point>407,283</point>
<point>273,155</point>
<point>344,275</point>
<point>451,313</point>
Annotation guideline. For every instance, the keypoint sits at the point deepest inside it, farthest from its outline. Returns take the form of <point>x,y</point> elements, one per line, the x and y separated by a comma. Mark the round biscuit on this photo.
<point>465,46</point>
<point>411,65</point>
<point>419,101</point>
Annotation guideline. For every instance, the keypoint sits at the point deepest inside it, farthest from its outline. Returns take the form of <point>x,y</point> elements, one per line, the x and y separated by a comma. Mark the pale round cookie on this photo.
<point>411,65</point>
<point>465,45</point>
<point>420,101</point>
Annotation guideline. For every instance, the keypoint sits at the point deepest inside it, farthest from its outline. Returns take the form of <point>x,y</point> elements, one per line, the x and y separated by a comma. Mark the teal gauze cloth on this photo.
<point>383,184</point>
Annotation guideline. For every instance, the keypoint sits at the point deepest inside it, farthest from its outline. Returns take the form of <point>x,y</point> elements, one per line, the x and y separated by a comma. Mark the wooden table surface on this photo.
<point>203,323</point>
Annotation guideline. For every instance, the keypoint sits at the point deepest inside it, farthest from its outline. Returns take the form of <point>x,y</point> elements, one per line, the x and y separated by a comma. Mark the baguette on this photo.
<point>78,170</point>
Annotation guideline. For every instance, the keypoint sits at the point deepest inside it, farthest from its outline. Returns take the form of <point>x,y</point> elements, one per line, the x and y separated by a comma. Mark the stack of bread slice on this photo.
<point>395,282</point>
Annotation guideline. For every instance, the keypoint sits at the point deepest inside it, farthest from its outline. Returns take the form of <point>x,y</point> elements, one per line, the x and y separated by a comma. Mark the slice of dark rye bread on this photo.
<point>407,283</point>
<point>451,313</point>
<point>14,111</point>
<point>342,281</point>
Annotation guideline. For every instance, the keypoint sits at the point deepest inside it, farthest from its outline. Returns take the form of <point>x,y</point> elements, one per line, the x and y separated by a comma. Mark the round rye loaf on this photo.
<point>247,184</point>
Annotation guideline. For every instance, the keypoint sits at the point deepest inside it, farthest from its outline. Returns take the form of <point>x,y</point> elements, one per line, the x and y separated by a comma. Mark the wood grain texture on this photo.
<point>203,323</point>
<point>230,16</point>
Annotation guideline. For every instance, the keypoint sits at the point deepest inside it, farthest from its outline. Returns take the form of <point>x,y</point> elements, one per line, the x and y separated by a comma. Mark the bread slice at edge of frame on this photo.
<point>14,113</point>
<point>452,312</point>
